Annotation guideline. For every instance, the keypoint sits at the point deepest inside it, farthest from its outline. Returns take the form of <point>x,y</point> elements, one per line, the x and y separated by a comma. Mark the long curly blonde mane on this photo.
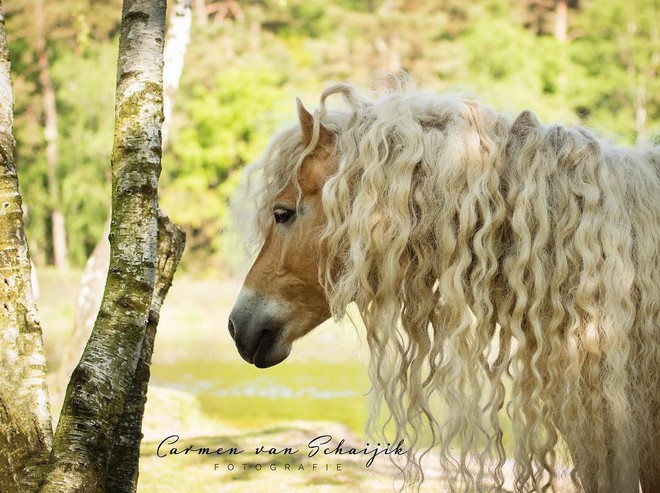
<point>505,271</point>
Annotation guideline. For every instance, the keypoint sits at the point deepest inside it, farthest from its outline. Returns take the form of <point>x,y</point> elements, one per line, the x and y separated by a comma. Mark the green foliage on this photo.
<point>242,73</point>
<point>618,56</point>
<point>86,124</point>
<point>227,124</point>
<point>298,18</point>
<point>515,79</point>
<point>221,127</point>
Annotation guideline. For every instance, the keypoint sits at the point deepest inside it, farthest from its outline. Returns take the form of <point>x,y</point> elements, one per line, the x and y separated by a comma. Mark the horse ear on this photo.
<point>306,122</point>
<point>525,123</point>
<point>307,127</point>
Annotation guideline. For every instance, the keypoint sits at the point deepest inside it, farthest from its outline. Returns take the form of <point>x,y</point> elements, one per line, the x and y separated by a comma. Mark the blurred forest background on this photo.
<point>573,61</point>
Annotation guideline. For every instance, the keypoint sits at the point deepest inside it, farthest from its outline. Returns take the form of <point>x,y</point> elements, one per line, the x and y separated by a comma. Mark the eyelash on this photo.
<point>283,215</point>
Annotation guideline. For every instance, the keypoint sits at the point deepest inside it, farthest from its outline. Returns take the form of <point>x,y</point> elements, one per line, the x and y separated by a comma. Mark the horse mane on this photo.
<point>505,271</point>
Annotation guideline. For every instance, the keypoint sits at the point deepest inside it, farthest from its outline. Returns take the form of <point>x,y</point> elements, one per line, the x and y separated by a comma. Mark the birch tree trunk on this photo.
<point>90,294</point>
<point>60,256</point>
<point>93,279</point>
<point>561,21</point>
<point>178,37</point>
<point>97,392</point>
<point>124,460</point>
<point>25,438</point>
<point>99,427</point>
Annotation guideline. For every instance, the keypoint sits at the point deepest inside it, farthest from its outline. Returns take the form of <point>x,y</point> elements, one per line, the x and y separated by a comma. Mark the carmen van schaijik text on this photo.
<point>317,447</point>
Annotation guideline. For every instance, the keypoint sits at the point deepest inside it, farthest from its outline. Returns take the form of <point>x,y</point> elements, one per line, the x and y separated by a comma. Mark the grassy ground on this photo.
<point>202,391</point>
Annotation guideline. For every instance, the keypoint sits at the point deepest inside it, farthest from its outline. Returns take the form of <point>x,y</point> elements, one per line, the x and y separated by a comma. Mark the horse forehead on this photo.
<point>314,171</point>
<point>311,178</point>
<point>289,194</point>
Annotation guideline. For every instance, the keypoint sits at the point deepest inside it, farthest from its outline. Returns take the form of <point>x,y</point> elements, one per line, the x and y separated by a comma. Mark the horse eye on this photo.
<point>283,215</point>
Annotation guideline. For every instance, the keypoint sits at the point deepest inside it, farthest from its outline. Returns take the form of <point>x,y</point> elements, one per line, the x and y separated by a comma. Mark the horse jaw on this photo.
<point>256,325</point>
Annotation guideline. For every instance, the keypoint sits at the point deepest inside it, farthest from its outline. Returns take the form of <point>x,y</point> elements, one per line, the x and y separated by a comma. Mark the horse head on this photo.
<point>282,298</point>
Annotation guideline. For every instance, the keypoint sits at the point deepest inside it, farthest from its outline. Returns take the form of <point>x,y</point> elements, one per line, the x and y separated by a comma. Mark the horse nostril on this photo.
<point>232,330</point>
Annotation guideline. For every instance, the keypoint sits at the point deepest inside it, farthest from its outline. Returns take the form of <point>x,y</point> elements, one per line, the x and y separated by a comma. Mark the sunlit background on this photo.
<point>570,61</point>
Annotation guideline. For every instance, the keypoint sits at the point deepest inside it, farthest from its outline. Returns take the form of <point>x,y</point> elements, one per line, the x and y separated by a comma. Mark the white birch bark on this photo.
<point>123,467</point>
<point>91,285</point>
<point>97,392</point>
<point>178,37</point>
<point>25,428</point>
<point>100,425</point>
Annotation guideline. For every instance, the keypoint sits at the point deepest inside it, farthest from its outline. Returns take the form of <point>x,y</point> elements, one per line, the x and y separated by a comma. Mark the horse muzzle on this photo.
<point>255,325</point>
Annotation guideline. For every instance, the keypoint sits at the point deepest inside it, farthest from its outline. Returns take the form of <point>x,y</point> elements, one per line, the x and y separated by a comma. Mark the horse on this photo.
<point>504,270</point>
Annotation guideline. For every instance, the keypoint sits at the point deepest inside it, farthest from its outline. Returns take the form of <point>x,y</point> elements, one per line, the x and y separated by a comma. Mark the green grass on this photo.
<point>56,304</point>
<point>200,387</point>
<point>324,379</point>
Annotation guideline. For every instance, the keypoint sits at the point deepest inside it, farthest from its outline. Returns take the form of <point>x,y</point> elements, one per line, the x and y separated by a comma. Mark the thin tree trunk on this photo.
<point>640,114</point>
<point>25,427</point>
<point>60,256</point>
<point>228,47</point>
<point>561,35</point>
<point>97,392</point>
<point>124,462</point>
<point>561,21</point>
<point>394,64</point>
<point>200,12</point>
<point>92,285</point>
<point>645,79</point>
<point>178,37</point>
<point>255,37</point>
